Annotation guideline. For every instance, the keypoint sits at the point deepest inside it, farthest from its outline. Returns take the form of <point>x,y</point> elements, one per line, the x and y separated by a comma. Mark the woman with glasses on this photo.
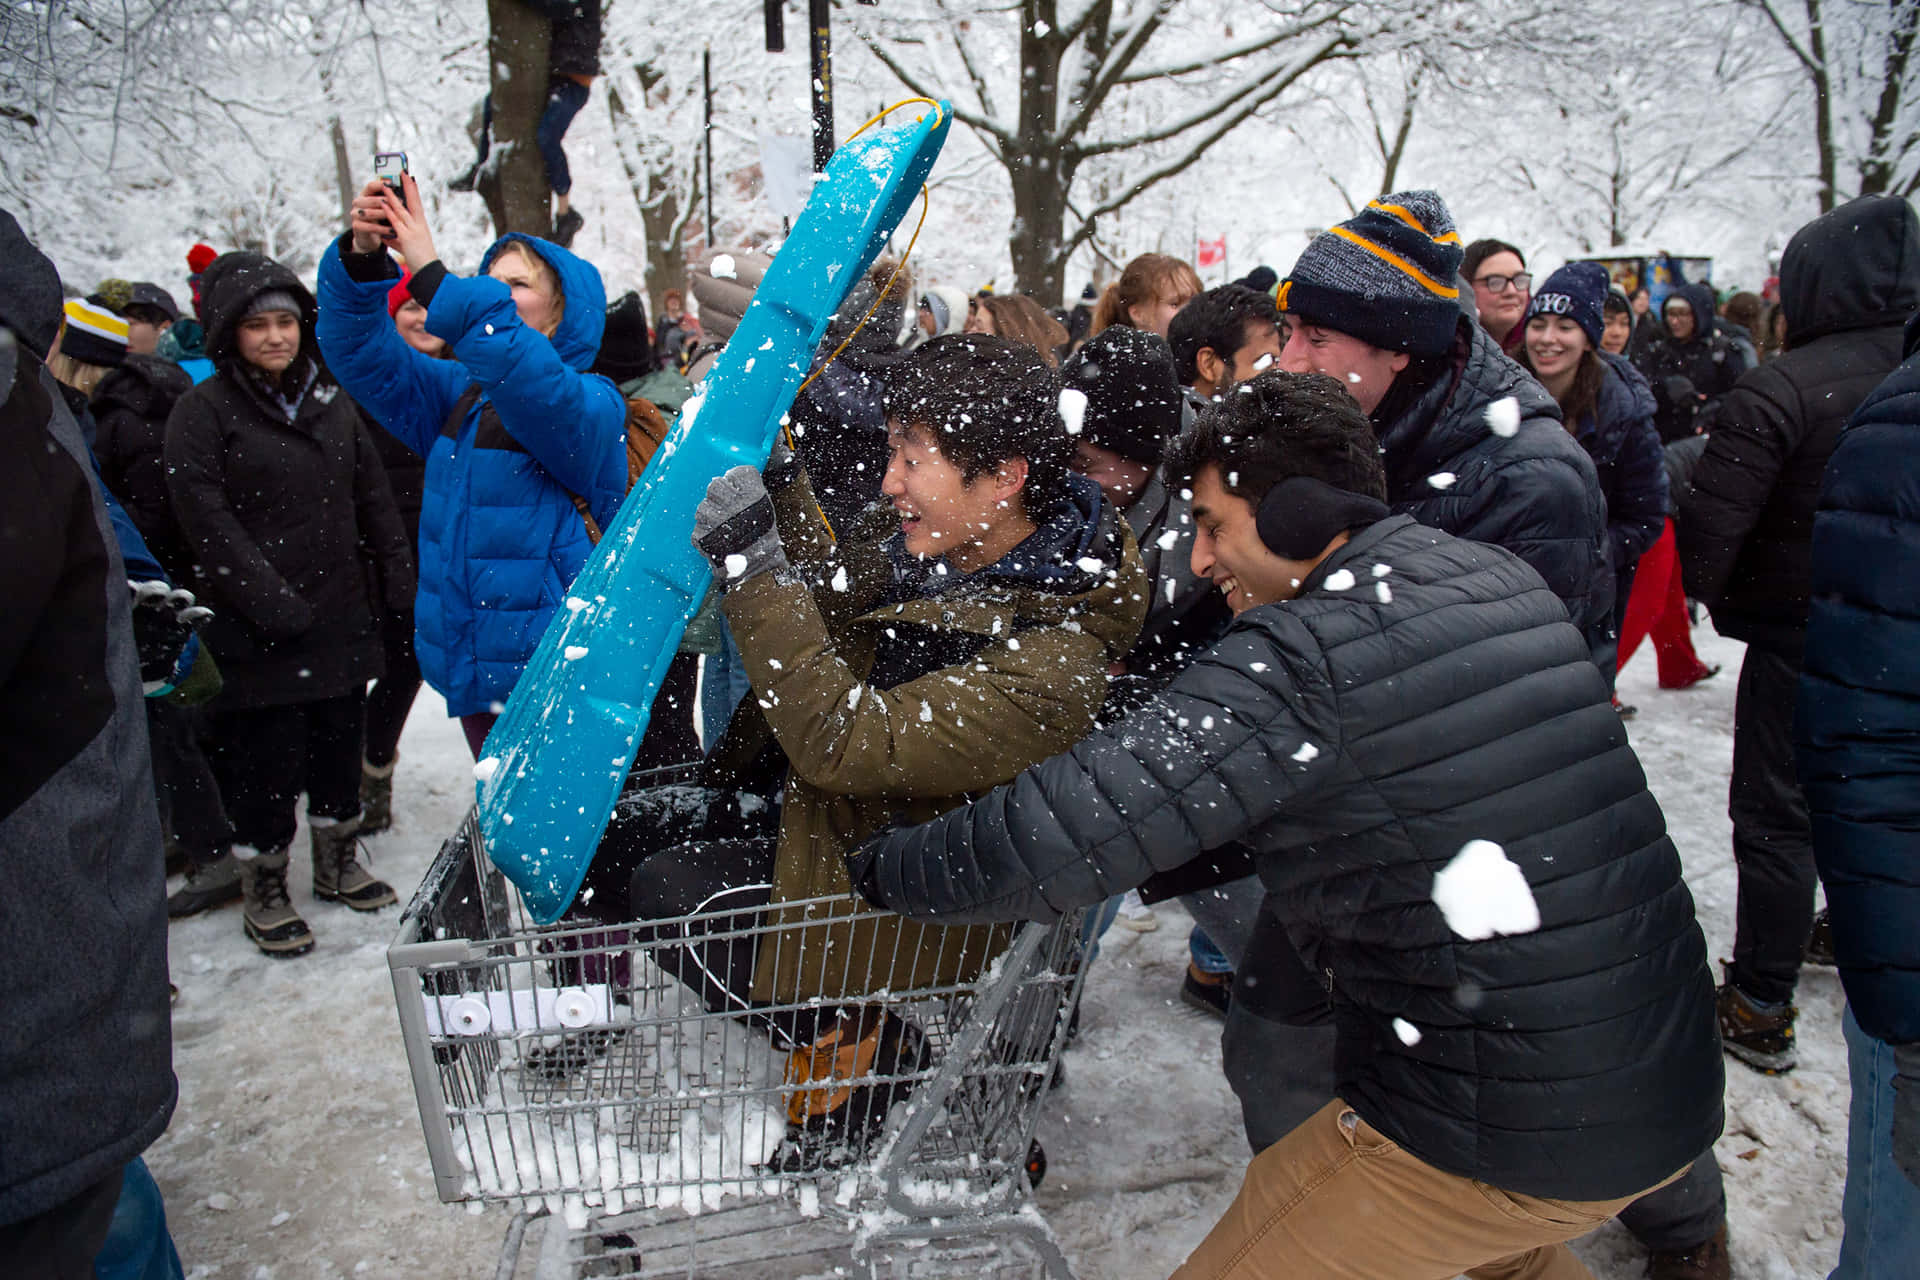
<point>1501,289</point>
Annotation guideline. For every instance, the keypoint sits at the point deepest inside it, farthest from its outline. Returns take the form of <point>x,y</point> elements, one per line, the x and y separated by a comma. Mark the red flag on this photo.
<point>1210,253</point>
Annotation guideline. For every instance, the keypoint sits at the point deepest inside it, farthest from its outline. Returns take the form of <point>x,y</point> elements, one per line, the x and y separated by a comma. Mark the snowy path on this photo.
<point>296,1150</point>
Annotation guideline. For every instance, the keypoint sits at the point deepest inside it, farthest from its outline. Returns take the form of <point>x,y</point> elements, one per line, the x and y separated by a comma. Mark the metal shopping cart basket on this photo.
<point>565,1069</point>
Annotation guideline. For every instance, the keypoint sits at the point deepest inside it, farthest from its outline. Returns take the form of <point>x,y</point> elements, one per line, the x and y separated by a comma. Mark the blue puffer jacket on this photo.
<point>500,538</point>
<point>1859,711</point>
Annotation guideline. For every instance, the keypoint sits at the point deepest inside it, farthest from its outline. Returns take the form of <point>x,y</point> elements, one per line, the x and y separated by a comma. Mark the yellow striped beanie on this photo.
<point>94,335</point>
<point>1388,276</point>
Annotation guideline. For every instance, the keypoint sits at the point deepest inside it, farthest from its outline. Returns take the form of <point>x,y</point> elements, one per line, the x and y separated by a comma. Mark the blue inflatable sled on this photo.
<point>555,762</point>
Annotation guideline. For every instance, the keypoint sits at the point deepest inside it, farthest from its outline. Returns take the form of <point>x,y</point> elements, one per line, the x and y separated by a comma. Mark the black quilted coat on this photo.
<point>1356,739</point>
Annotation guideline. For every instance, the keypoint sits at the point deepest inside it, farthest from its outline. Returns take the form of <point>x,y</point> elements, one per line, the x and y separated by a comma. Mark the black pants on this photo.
<point>183,781</point>
<point>1772,836</point>
<point>265,758</point>
<point>1283,1073</point>
<point>390,698</point>
<point>61,1243</point>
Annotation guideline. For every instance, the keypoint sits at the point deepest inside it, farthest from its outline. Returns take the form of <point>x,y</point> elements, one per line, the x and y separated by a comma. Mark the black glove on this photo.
<point>733,527</point>
<point>1906,1111</point>
<point>863,866</point>
<point>164,619</point>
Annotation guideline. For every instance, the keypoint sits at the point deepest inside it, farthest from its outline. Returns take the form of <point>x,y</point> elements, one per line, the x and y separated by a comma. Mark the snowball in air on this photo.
<point>1482,894</point>
<point>1408,1033</point>
<point>723,268</point>
<point>484,769</point>
<point>1503,417</point>
<point>575,652</point>
<point>1073,409</point>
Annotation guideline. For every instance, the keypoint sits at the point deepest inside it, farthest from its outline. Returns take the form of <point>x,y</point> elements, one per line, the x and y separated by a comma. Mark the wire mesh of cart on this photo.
<point>567,1069</point>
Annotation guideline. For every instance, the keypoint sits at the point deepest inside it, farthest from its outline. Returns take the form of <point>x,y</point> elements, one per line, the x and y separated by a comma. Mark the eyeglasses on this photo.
<point>1500,284</point>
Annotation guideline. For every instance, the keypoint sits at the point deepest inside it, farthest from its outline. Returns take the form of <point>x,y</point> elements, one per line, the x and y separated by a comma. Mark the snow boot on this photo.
<point>376,796</point>
<point>267,915</point>
<point>337,873</point>
<point>567,226</point>
<point>833,1121</point>
<point>1760,1035</point>
<point>1707,1260</point>
<point>213,885</point>
<point>1207,992</point>
<point>1820,942</point>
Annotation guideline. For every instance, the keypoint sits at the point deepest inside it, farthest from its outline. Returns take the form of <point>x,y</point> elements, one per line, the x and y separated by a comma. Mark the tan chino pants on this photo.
<point>1337,1199</point>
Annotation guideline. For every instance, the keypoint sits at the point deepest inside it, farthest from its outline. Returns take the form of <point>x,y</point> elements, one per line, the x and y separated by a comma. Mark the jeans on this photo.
<point>1283,1074</point>
<point>138,1245</point>
<point>1880,1209</point>
<point>265,757</point>
<point>1206,957</point>
<point>1772,835</point>
<point>1223,921</point>
<point>564,99</point>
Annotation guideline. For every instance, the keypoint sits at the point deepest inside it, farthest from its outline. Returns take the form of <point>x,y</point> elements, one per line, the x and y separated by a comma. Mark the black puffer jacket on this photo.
<point>1357,744</point>
<point>289,516</point>
<point>1185,615</point>
<point>1620,437</point>
<point>1849,279</point>
<point>1708,361</point>
<point>130,408</point>
<point>1533,492</point>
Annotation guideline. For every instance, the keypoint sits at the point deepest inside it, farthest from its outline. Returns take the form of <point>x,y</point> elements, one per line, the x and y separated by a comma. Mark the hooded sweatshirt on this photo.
<point>1849,279</point>
<point>500,538</point>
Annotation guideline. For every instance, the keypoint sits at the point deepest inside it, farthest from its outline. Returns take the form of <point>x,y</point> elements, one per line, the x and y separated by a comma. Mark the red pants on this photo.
<point>1657,607</point>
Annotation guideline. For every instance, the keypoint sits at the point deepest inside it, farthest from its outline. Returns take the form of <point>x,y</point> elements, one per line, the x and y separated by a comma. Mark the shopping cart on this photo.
<point>564,1069</point>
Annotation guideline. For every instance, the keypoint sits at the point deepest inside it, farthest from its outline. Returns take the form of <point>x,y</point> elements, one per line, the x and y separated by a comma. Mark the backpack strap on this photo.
<point>457,416</point>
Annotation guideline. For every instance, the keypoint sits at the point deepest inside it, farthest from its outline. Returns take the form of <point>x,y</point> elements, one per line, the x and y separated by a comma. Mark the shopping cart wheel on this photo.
<point>1036,1163</point>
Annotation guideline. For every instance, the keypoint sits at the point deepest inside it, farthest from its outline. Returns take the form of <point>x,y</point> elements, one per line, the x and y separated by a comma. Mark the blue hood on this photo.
<point>577,340</point>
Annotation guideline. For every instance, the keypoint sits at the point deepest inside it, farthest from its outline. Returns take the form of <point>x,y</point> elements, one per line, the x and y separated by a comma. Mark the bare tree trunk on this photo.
<point>662,214</point>
<point>1822,106</point>
<point>342,170</point>
<point>1883,148</point>
<point>1039,227</point>
<point>1394,152</point>
<point>514,180</point>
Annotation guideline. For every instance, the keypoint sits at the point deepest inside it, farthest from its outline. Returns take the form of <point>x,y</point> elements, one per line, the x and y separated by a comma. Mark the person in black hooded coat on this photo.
<point>1689,374</point>
<point>296,541</point>
<point>130,408</point>
<point>1849,280</point>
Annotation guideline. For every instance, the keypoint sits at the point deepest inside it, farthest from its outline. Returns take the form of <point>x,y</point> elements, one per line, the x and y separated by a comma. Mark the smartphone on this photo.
<point>389,166</point>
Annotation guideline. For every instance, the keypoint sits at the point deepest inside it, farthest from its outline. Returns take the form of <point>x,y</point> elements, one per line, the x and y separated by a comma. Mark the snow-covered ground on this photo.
<point>296,1149</point>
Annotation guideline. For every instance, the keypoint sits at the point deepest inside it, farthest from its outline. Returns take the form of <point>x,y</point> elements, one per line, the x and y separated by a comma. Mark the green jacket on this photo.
<point>1031,653</point>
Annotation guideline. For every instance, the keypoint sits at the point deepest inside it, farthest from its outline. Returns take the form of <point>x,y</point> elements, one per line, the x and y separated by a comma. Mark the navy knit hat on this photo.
<point>1385,276</point>
<point>1577,291</point>
<point>1133,399</point>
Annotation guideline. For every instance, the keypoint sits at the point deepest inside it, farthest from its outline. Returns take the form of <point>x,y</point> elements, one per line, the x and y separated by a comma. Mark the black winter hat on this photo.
<point>1577,291</point>
<point>1385,276</point>
<point>1132,396</point>
<point>30,291</point>
<point>150,297</point>
<point>626,352</point>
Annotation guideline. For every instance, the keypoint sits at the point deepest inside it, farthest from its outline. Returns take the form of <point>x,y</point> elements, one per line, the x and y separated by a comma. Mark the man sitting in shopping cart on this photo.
<point>948,638</point>
<point>1409,735</point>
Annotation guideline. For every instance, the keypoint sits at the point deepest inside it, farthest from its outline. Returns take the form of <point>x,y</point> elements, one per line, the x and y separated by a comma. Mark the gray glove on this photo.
<point>1906,1110</point>
<point>733,527</point>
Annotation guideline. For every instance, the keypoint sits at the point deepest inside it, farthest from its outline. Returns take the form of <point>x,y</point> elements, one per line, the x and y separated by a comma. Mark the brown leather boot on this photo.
<point>337,873</point>
<point>1708,1260</point>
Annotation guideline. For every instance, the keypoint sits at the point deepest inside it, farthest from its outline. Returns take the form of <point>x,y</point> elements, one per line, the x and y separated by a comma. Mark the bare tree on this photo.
<point>1855,56</point>
<point>514,179</point>
<point>1042,77</point>
<point>661,165</point>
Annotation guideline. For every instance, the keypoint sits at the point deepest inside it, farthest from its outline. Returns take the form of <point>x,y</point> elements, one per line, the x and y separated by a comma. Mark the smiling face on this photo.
<point>1228,552</point>
<point>1365,370</point>
<point>536,290</point>
<point>1618,333</point>
<point>1679,318</point>
<point>1555,345</point>
<point>411,321</point>
<point>942,513</point>
<point>269,340</point>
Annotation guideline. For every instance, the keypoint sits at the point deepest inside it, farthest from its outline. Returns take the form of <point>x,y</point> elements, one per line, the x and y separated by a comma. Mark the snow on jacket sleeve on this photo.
<point>574,424</point>
<point>407,392</point>
<point>1248,730</point>
<point>1858,722</point>
<point>196,478</point>
<point>948,731</point>
<point>1732,483</point>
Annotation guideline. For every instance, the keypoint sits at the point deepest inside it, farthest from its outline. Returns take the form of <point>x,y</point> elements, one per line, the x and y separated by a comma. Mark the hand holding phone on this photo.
<point>390,167</point>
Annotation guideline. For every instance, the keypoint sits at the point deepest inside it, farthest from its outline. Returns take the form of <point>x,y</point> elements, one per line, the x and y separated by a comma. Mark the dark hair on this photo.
<point>1743,309</point>
<point>1480,250</point>
<point>1217,321</point>
<point>1616,303</point>
<point>1280,425</point>
<point>1145,279</point>
<point>983,399</point>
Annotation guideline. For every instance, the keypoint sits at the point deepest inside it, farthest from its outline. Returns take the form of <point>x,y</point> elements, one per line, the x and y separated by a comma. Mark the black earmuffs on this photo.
<point>1299,516</point>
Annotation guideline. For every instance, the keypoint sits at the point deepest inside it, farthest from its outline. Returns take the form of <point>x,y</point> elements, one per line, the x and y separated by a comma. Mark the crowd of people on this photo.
<point>1296,598</point>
